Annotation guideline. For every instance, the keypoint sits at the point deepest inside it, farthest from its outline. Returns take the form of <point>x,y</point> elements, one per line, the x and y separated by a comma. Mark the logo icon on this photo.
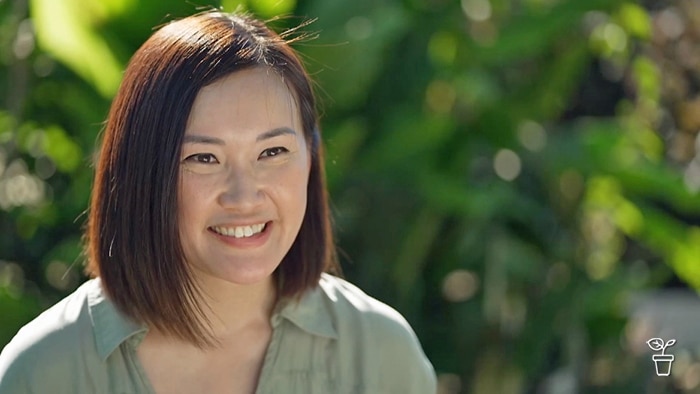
<point>662,361</point>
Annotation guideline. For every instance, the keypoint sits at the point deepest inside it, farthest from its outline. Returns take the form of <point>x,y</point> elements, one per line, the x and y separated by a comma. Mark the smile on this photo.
<point>240,231</point>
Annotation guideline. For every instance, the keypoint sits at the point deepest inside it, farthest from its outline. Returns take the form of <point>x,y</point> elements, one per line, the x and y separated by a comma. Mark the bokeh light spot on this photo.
<point>233,5</point>
<point>60,276</point>
<point>670,23</point>
<point>558,276</point>
<point>691,377</point>
<point>3,161</point>
<point>691,177</point>
<point>571,184</point>
<point>273,7</point>
<point>359,28</point>
<point>532,135</point>
<point>12,278</point>
<point>23,45</point>
<point>460,285</point>
<point>449,383</point>
<point>440,97</point>
<point>442,48</point>
<point>507,164</point>
<point>477,10</point>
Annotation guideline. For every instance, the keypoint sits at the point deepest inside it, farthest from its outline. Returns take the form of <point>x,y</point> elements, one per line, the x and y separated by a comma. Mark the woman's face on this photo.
<point>243,174</point>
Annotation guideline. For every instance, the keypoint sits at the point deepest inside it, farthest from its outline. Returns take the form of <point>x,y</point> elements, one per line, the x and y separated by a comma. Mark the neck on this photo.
<point>233,307</point>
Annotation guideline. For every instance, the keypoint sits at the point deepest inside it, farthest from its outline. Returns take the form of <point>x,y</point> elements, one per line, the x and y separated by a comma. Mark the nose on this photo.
<point>242,191</point>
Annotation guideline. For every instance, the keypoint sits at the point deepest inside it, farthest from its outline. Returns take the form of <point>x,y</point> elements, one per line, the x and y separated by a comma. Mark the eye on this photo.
<point>202,158</point>
<point>272,152</point>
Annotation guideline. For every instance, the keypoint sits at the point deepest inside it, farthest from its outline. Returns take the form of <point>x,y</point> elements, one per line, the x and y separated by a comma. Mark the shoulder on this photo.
<point>44,350</point>
<point>378,337</point>
<point>352,306</point>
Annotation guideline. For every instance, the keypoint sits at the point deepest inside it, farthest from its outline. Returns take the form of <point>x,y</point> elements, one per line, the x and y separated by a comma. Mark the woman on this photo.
<point>209,239</point>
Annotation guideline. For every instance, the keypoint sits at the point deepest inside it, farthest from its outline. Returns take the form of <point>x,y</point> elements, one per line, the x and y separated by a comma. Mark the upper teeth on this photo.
<point>240,231</point>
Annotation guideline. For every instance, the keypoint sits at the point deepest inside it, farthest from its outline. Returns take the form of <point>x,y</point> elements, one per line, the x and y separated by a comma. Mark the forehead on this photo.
<point>255,97</point>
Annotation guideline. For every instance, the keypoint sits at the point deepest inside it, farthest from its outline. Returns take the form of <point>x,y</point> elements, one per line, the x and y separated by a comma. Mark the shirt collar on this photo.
<point>110,326</point>
<point>312,312</point>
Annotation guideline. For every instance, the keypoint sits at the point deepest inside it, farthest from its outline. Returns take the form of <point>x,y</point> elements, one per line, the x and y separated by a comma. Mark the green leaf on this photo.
<point>64,152</point>
<point>635,20</point>
<point>270,8</point>
<point>66,30</point>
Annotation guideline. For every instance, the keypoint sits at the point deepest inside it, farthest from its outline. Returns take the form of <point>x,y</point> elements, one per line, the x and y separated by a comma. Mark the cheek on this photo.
<point>191,192</point>
<point>293,181</point>
<point>299,185</point>
<point>287,190</point>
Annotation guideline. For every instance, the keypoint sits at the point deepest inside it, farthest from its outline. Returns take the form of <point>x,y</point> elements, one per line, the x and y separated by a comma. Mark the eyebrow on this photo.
<point>202,139</point>
<point>275,133</point>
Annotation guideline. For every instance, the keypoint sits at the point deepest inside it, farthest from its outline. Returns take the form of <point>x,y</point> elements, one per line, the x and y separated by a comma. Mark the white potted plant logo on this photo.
<point>662,361</point>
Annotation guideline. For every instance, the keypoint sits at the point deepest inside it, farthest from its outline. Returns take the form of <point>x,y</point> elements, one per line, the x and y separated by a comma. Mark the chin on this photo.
<point>243,277</point>
<point>247,280</point>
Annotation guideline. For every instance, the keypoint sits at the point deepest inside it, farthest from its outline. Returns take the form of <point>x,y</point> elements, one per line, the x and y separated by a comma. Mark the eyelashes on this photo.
<point>210,158</point>
<point>202,158</point>
<point>273,152</point>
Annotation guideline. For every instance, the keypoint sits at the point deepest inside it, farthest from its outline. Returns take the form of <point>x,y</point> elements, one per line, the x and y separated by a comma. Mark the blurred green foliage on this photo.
<point>497,169</point>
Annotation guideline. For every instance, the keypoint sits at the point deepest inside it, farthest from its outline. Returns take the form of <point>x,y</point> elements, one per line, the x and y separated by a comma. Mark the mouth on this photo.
<point>239,231</point>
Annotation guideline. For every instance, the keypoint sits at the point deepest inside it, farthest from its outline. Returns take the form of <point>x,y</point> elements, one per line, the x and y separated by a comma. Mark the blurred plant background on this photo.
<point>509,174</point>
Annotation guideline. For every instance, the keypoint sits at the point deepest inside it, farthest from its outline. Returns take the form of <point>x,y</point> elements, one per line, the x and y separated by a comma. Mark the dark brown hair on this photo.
<point>132,238</point>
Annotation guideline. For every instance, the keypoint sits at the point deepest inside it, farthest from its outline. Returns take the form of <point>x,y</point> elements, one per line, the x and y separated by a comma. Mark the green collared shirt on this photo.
<point>336,339</point>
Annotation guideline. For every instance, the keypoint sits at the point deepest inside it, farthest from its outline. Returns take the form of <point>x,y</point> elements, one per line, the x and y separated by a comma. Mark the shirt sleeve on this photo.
<point>12,378</point>
<point>29,366</point>
<point>47,354</point>
<point>404,366</point>
<point>377,346</point>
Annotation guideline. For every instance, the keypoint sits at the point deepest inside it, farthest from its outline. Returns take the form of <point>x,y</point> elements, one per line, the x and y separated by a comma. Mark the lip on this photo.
<point>240,224</point>
<point>251,242</point>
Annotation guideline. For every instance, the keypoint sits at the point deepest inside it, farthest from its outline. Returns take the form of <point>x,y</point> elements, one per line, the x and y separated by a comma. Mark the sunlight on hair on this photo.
<point>507,164</point>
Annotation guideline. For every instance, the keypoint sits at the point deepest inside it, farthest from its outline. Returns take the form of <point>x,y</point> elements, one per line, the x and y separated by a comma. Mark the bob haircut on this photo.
<point>132,240</point>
